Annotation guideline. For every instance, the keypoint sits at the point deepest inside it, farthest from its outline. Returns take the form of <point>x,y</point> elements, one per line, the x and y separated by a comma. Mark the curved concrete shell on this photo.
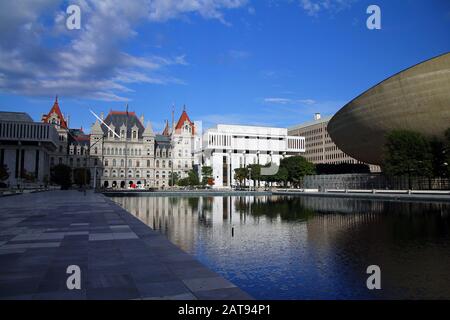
<point>417,99</point>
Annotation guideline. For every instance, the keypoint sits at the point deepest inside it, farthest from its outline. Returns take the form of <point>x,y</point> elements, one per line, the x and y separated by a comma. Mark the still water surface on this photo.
<point>308,247</point>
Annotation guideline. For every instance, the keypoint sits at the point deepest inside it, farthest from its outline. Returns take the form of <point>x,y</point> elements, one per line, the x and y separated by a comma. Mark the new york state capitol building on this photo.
<point>122,150</point>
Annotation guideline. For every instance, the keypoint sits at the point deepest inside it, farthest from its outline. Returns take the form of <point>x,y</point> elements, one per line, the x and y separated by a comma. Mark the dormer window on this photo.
<point>134,134</point>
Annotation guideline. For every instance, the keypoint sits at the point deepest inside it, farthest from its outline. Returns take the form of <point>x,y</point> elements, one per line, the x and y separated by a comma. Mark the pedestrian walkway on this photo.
<point>41,234</point>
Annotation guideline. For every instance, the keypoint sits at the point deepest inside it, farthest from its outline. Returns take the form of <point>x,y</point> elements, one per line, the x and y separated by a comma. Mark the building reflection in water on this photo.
<point>309,247</point>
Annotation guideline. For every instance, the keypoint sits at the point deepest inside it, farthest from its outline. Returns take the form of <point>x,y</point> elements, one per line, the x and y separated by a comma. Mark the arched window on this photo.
<point>114,162</point>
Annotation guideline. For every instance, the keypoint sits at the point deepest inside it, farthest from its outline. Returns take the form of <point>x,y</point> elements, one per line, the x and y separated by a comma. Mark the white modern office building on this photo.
<point>25,147</point>
<point>228,147</point>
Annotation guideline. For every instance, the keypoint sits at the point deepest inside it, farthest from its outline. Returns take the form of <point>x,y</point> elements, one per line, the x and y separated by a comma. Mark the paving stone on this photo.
<point>223,294</point>
<point>162,289</point>
<point>202,284</point>
<point>125,235</point>
<point>100,236</point>
<point>41,234</point>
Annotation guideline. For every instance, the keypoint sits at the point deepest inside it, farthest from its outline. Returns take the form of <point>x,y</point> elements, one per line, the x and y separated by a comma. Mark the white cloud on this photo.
<point>285,101</point>
<point>39,58</point>
<point>313,7</point>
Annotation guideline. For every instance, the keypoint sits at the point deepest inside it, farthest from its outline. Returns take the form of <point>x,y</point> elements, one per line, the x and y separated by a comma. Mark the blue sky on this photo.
<point>264,62</point>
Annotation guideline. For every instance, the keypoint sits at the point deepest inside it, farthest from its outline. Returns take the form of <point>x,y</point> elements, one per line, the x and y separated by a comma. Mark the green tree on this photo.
<point>183,182</point>
<point>439,158</point>
<point>175,179</point>
<point>4,172</point>
<point>61,175</point>
<point>193,178</point>
<point>281,176</point>
<point>207,174</point>
<point>254,173</point>
<point>28,176</point>
<point>240,174</point>
<point>407,153</point>
<point>81,176</point>
<point>297,167</point>
<point>447,151</point>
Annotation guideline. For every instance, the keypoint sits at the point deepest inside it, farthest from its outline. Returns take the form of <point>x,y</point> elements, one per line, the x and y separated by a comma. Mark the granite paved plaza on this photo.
<point>120,257</point>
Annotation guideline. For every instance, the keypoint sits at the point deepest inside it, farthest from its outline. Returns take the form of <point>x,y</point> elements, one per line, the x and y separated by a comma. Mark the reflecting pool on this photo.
<point>281,247</point>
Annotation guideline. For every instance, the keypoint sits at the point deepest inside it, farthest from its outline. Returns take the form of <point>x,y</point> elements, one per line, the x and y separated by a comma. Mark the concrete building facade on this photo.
<point>25,148</point>
<point>319,147</point>
<point>228,147</point>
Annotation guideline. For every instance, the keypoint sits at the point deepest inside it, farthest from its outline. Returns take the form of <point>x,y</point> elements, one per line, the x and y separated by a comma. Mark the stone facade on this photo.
<point>121,151</point>
<point>73,144</point>
<point>134,154</point>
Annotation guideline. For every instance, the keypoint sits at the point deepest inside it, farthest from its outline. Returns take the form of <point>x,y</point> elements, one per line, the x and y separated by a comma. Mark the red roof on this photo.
<point>57,110</point>
<point>183,118</point>
<point>131,113</point>
<point>166,129</point>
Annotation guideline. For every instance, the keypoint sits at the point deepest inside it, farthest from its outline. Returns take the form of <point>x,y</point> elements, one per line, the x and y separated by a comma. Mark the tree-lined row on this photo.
<point>409,153</point>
